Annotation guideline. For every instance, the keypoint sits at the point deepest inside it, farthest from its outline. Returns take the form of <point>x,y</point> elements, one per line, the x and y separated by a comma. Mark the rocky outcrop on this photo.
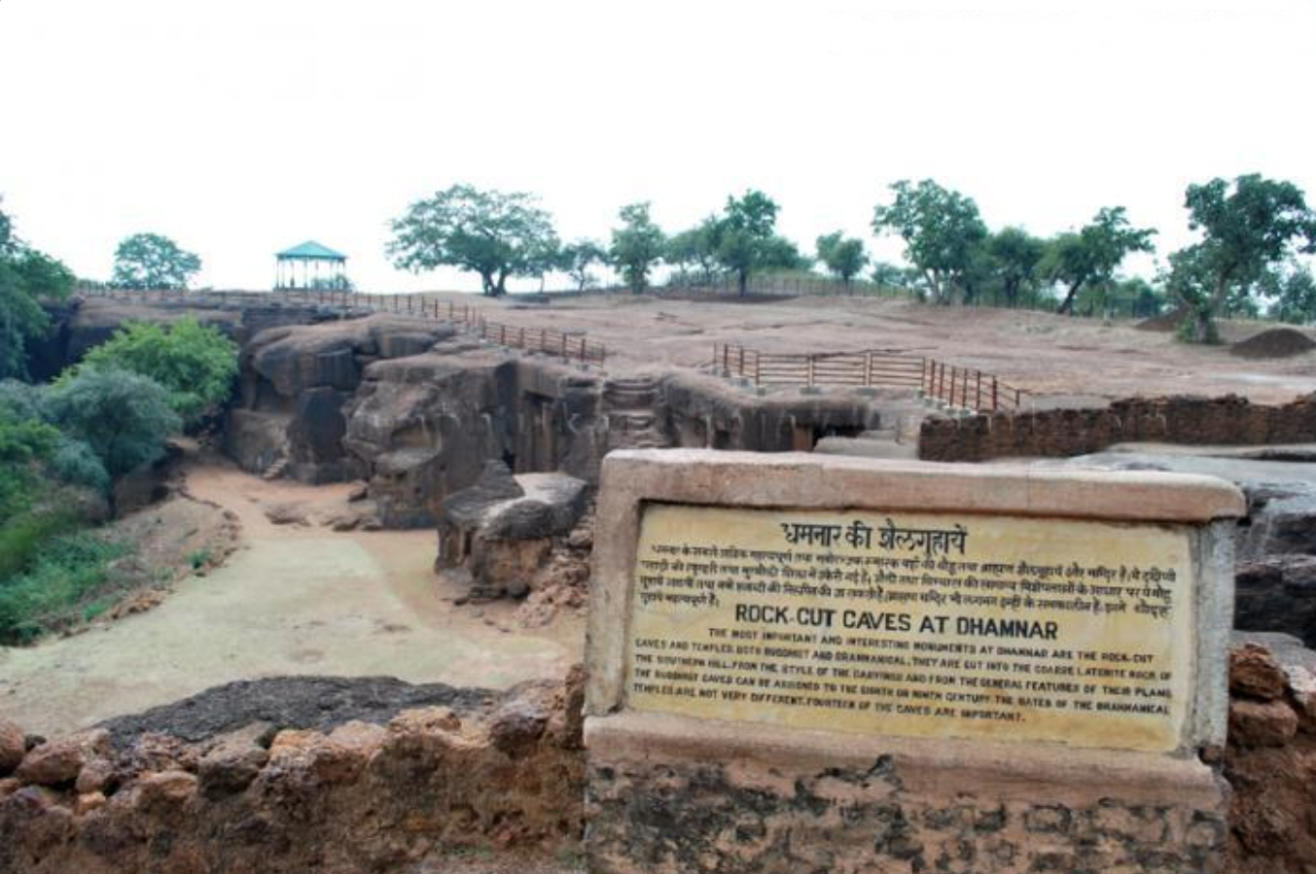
<point>296,382</point>
<point>503,530</point>
<point>352,797</point>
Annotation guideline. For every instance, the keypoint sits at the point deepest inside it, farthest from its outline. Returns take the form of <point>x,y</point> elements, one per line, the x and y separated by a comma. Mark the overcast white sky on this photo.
<point>241,127</point>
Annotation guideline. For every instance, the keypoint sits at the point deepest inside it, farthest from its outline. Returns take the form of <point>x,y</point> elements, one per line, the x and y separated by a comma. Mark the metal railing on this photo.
<point>570,345</point>
<point>964,387</point>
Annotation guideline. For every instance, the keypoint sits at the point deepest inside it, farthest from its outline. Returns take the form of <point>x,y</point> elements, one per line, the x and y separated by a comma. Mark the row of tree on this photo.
<point>500,235</point>
<point>1251,231</point>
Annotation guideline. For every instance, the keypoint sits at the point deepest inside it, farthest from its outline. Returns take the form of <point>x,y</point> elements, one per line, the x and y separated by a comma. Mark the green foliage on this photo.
<point>1294,294</point>
<point>26,278</point>
<point>1245,231</point>
<point>152,261</point>
<point>331,283</point>
<point>843,257</point>
<point>19,400</point>
<point>198,559</point>
<point>693,252</point>
<point>575,259</point>
<point>492,233</point>
<point>941,229</point>
<point>195,363</point>
<point>1014,256</point>
<point>74,462</point>
<point>22,535</point>
<point>1091,255</point>
<point>747,241</point>
<point>26,441</point>
<point>637,245</point>
<point>123,416</point>
<point>57,583</point>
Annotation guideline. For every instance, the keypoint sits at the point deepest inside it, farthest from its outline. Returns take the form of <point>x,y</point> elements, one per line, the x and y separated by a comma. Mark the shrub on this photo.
<point>56,588</point>
<point>195,363</point>
<point>124,417</point>
<point>74,462</point>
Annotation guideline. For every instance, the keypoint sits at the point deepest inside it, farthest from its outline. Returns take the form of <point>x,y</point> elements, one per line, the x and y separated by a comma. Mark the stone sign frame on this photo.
<point>1082,779</point>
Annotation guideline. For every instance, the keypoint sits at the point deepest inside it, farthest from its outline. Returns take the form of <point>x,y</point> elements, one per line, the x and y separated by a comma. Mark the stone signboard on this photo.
<point>1013,638</point>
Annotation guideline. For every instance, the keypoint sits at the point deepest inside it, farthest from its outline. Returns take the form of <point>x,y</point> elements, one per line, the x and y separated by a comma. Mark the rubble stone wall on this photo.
<point>361,798</point>
<point>1230,420</point>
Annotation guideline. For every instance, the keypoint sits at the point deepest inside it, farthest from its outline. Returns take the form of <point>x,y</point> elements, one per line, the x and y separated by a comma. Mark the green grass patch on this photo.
<point>66,578</point>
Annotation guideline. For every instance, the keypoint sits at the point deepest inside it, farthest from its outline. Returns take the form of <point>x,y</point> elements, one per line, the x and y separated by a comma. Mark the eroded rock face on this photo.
<point>296,381</point>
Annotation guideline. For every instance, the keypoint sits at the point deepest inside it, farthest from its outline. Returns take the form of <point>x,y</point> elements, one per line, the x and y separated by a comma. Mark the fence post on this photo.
<point>582,348</point>
<point>994,394</point>
<point>1016,399</point>
<point>564,346</point>
<point>756,370</point>
<point>543,340</point>
<point>742,361</point>
<point>521,341</point>
<point>868,369</point>
<point>726,363</point>
<point>810,371</point>
<point>977,405</point>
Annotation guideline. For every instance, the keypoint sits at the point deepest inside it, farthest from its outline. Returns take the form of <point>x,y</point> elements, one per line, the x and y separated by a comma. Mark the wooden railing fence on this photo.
<point>570,345</point>
<point>964,387</point>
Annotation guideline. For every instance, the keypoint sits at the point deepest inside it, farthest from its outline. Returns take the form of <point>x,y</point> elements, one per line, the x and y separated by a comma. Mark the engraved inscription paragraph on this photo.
<point>920,625</point>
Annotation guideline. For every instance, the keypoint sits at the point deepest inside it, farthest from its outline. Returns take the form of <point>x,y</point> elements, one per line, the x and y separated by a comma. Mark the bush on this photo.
<point>74,462</point>
<point>59,585</point>
<point>195,363</point>
<point>124,417</point>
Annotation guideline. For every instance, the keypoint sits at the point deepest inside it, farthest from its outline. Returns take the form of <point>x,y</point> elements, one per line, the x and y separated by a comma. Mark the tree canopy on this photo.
<point>941,229</point>
<point>1091,255</point>
<point>195,363</point>
<point>844,257</point>
<point>637,245</point>
<point>123,416</point>
<point>148,261</point>
<point>492,233</point>
<point>693,252</point>
<point>1015,255</point>
<point>747,240</point>
<point>576,258</point>
<point>27,277</point>
<point>1247,227</point>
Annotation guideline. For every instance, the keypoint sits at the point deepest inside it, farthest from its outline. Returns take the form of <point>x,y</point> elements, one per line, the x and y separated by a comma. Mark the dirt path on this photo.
<point>292,600</point>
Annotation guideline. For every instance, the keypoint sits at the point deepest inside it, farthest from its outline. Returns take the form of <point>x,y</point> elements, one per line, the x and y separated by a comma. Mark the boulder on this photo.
<point>164,793</point>
<point>1261,723</point>
<point>59,761</point>
<point>1254,673</point>
<point>516,726</point>
<point>13,746</point>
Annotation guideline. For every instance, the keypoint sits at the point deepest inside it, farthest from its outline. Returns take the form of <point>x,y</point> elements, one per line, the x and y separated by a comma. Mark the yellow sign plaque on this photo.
<point>919,625</point>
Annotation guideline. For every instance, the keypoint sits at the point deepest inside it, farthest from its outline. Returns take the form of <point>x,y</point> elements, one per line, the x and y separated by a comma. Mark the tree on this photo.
<point>195,363</point>
<point>1294,294</point>
<point>576,259</point>
<point>636,246</point>
<point>1091,255</point>
<point>123,416</point>
<point>843,257</point>
<point>1015,254</point>
<point>153,261</point>
<point>694,251</point>
<point>27,277</point>
<point>747,242</point>
<point>1245,231</point>
<point>544,257</point>
<point>492,233</point>
<point>941,229</point>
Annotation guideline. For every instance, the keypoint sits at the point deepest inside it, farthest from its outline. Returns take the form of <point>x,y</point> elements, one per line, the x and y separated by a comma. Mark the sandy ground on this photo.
<point>291,600</point>
<point>1070,360</point>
